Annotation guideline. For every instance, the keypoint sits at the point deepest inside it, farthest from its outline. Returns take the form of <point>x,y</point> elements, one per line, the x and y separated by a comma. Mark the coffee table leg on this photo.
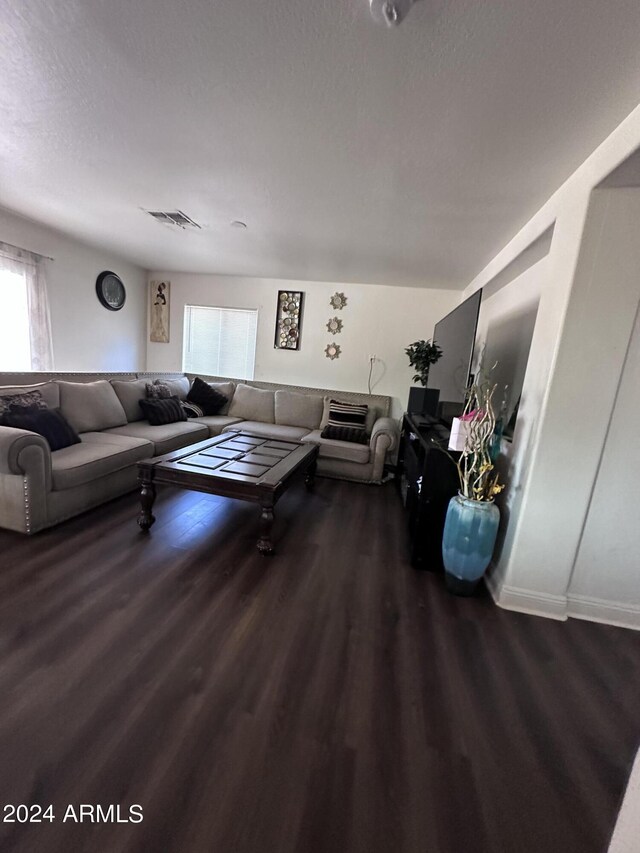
<point>310,476</point>
<point>147,497</point>
<point>265,545</point>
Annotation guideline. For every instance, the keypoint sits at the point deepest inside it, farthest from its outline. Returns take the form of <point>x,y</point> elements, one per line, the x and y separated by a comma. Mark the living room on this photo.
<point>333,155</point>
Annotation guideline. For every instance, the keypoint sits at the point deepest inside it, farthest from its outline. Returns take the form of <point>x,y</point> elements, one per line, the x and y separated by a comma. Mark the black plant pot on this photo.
<point>423,401</point>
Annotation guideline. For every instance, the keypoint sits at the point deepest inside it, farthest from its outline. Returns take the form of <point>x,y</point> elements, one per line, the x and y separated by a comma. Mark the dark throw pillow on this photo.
<point>161,412</point>
<point>205,397</point>
<point>347,415</point>
<point>48,423</point>
<point>345,433</point>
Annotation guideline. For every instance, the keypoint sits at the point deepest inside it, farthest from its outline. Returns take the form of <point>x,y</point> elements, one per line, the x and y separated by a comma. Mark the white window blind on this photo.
<point>219,341</point>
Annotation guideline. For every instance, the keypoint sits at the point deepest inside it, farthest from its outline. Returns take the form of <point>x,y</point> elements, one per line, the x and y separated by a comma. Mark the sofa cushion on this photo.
<point>253,404</point>
<point>301,410</point>
<point>161,388</point>
<point>163,411</point>
<point>286,433</point>
<point>332,449</point>
<point>129,393</point>
<point>179,387</point>
<point>91,406</point>
<point>206,398</point>
<point>215,423</point>
<point>49,391</point>
<point>48,423</point>
<point>97,455</point>
<point>165,438</point>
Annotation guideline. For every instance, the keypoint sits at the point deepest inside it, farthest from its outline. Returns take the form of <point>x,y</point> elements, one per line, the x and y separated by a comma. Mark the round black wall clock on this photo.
<point>110,290</point>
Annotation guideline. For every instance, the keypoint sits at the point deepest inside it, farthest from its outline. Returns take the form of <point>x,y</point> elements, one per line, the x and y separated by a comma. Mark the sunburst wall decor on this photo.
<point>332,351</point>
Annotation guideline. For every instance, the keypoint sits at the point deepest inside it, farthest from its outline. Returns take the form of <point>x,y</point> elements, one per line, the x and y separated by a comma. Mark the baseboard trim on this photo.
<point>562,607</point>
<point>601,610</point>
<point>492,583</point>
<point>528,601</point>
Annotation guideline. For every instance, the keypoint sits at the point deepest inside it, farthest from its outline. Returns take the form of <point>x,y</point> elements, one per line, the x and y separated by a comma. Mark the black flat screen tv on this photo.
<point>455,334</point>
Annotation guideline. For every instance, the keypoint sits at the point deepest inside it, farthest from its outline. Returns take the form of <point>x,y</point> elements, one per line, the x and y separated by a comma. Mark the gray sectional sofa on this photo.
<point>39,488</point>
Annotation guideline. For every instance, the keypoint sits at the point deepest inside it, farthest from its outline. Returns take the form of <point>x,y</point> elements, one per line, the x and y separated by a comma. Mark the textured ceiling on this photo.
<point>353,152</point>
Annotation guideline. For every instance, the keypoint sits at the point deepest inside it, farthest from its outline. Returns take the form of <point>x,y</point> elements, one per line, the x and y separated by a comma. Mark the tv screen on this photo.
<point>455,334</point>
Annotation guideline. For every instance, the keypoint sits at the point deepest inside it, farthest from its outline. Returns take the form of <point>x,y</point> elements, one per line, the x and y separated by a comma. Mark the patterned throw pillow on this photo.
<point>29,400</point>
<point>347,422</point>
<point>164,411</point>
<point>191,410</point>
<point>357,436</point>
<point>206,398</point>
<point>48,423</point>
<point>158,390</point>
<point>347,415</point>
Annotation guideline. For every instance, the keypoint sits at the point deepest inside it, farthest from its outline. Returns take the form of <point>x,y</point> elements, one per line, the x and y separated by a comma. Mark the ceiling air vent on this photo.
<point>173,217</point>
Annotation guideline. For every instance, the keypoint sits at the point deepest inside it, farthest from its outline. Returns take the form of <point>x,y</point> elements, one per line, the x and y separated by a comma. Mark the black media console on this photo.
<point>427,480</point>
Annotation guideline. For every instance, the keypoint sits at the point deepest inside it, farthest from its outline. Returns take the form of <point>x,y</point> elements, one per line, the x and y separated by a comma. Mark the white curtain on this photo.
<point>31,266</point>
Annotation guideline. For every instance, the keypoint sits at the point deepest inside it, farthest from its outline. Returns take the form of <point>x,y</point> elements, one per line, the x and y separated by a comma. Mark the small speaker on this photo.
<point>423,401</point>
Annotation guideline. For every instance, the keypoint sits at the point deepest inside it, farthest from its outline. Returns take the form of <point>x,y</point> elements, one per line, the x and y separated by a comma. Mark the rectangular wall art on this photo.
<point>288,319</point>
<point>159,301</point>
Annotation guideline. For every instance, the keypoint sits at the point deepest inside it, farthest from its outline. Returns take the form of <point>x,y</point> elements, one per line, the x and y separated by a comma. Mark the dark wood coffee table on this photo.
<point>234,465</point>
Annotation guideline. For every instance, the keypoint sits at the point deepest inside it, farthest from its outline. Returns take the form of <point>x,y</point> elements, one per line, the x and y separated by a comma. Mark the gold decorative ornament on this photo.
<point>334,325</point>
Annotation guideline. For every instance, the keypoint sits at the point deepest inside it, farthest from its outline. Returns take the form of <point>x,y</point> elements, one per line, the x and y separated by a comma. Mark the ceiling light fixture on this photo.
<point>390,12</point>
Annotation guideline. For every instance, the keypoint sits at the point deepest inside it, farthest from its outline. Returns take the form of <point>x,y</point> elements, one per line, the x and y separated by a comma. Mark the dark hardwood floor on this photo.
<point>327,699</point>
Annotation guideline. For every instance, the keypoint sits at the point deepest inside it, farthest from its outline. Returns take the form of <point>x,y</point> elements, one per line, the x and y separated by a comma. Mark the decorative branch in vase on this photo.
<point>471,525</point>
<point>478,482</point>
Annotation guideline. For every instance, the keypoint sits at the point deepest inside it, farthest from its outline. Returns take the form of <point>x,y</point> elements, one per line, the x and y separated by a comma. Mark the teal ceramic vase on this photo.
<point>470,531</point>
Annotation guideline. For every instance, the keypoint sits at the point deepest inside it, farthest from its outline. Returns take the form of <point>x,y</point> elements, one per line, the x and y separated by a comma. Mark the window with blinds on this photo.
<point>219,341</point>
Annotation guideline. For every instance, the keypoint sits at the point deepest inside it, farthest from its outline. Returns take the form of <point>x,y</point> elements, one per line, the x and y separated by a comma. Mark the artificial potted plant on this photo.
<point>472,520</point>
<point>422,354</point>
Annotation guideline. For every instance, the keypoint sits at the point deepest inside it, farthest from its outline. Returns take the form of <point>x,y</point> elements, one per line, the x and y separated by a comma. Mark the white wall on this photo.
<point>574,366</point>
<point>86,336</point>
<point>607,567</point>
<point>580,396</point>
<point>377,320</point>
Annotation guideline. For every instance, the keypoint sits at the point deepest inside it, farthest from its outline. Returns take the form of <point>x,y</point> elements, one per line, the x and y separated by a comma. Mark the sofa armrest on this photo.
<point>387,428</point>
<point>26,454</point>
